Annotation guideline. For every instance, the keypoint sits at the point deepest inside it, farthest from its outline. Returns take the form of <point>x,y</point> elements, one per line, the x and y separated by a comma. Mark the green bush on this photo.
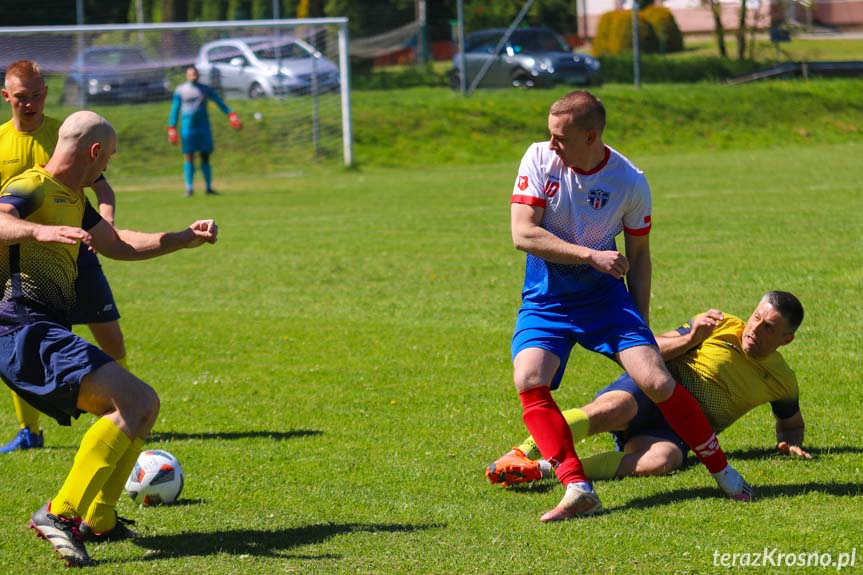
<point>656,68</point>
<point>667,32</point>
<point>614,34</point>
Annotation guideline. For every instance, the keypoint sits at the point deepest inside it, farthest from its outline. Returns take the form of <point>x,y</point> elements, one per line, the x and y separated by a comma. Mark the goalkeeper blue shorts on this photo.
<point>197,140</point>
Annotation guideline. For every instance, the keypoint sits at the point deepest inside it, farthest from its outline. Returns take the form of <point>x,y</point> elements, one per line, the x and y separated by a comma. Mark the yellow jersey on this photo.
<point>39,278</point>
<point>20,151</point>
<point>728,382</point>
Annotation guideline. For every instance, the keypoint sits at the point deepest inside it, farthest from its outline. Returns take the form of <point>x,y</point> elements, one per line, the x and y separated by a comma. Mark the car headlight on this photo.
<point>590,62</point>
<point>94,86</point>
<point>546,65</point>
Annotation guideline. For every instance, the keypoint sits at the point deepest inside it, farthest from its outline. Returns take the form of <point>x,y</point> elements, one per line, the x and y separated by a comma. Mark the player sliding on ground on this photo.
<point>573,195</point>
<point>44,215</point>
<point>729,365</point>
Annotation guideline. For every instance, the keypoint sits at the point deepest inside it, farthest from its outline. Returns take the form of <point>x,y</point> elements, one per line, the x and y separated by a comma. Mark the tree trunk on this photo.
<point>720,29</point>
<point>741,32</point>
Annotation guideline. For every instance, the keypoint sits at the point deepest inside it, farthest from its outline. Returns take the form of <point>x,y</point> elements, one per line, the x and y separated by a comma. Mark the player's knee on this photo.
<point>658,386</point>
<point>611,411</point>
<point>140,408</point>
<point>659,460</point>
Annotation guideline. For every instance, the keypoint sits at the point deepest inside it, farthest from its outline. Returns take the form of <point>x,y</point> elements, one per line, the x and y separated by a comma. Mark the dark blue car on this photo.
<point>114,74</point>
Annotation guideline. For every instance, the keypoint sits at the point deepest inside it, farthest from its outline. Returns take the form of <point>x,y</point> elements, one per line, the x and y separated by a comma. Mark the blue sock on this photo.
<point>208,175</point>
<point>189,172</point>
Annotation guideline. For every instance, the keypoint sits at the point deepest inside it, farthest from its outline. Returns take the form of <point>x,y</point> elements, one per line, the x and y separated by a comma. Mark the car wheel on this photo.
<point>71,95</point>
<point>522,79</point>
<point>256,91</point>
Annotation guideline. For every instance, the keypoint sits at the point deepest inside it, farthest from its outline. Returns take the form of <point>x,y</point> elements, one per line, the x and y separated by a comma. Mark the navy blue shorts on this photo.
<point>197,141</point>
<point>94,301</point>
<point>607,325</point>
<point>44,363</point>
<point>648,420</point>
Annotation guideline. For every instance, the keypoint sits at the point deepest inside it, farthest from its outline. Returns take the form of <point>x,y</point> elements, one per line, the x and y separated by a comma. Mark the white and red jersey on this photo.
<point>584,208</point>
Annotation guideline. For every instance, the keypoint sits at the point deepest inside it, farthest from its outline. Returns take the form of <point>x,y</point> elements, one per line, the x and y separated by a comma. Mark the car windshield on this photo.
<point>534,41</point>
<point>107,58</point>
<point>285,51</point>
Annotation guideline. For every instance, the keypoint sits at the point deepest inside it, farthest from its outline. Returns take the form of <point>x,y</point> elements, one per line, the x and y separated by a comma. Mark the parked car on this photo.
<point>114,74</point>
<point>266,66</point>
<point>531,57</point>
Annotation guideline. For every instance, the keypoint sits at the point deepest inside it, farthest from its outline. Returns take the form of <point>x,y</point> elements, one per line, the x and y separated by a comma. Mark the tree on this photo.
<point>719,29</point>
<point>741,32</point>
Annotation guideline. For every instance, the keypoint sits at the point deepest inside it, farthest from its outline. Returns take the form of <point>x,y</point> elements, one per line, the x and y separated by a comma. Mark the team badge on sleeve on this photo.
<point>522,183</point>
<point>597,199</point>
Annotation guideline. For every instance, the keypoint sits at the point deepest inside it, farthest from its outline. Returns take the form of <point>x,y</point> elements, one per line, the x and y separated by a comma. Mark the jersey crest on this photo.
<point>522,183</point>
<point>597,199</point>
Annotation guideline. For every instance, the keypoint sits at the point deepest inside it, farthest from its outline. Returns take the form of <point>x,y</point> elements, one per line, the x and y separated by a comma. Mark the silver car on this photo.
<point>531,57</point>
<point>265,67</point>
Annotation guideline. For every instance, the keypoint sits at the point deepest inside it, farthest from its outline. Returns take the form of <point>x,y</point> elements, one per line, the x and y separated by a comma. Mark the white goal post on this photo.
<point>298,67</point>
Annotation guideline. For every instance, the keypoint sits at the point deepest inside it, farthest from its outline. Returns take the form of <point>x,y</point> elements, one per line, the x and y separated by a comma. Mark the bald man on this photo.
<point>27,140</point>
<point>44,216</point>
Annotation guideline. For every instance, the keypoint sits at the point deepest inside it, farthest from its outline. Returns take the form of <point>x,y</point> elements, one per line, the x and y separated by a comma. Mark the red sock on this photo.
<point>551,433</point>
<point>688,421</point>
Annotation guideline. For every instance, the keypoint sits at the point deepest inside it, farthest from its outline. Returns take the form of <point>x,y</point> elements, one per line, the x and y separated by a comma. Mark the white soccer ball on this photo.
<point>157,478</point>
<point>258,116</point>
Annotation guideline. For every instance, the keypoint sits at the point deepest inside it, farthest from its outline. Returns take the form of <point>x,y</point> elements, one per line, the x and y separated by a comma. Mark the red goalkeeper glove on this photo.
<point>172,135</point>
<point>235,121</point>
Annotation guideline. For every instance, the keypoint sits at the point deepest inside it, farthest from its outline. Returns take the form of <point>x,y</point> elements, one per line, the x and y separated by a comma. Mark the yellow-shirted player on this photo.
<point>729,365</point>
<point>44,216</point>
<point>27,140</point>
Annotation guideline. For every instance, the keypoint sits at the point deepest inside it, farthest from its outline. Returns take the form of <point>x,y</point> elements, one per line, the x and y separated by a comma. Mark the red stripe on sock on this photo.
<point>551,433</point>
<point>688,421</point>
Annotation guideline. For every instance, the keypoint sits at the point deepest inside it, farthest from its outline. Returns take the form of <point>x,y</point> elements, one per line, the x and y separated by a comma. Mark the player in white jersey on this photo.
<point>572,197</point>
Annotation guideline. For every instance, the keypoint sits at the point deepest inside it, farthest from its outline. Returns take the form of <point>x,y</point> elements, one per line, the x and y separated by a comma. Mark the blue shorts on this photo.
<point>197,141</point>
<point>647,421</point>
<point>94,301</point>
<point>44,363</point>
<point>607,325</point>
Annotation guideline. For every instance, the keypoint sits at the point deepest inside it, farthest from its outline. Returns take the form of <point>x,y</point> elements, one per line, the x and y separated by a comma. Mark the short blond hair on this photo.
<point>24,69</point>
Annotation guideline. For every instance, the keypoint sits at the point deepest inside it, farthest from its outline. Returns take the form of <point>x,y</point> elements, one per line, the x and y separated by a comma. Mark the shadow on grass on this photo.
<point>769,453</point>
<point>256,542</point>
<point>158,436</point>
<point>762,492</point>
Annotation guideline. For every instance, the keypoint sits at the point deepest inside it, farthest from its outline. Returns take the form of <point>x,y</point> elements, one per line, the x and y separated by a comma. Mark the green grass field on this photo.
<point>335,372</point>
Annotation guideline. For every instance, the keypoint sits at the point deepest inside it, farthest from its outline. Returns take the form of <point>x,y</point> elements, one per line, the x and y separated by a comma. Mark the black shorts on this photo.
<point>44,363</point>
<point>94,302</point>
<point>647,421</point>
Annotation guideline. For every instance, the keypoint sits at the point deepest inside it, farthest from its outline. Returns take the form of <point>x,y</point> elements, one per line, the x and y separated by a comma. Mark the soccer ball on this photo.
<point>156,479</point>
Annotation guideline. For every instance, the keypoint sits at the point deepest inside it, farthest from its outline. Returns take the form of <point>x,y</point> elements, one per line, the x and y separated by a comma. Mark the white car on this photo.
<point>265,67</point>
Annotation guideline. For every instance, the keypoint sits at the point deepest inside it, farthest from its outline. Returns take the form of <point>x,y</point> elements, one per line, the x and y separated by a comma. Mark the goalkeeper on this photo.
<point>190,109</point>
<point>729,365</point>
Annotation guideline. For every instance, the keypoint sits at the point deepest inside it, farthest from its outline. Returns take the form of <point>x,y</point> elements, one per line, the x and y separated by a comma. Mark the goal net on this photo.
<point>287,79</point>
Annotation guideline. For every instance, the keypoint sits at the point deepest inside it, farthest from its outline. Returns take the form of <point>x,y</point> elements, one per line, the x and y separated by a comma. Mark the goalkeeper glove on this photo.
<point>172,135</point>
<point>235,121</point>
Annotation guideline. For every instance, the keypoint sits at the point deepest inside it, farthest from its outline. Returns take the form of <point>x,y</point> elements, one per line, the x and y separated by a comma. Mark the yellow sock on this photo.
<point>101,448</point>
<point>101,516</point>
<point>602,465</point>
<point>579,425</point>
<point>28,416</point>
<point>122,362</point>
